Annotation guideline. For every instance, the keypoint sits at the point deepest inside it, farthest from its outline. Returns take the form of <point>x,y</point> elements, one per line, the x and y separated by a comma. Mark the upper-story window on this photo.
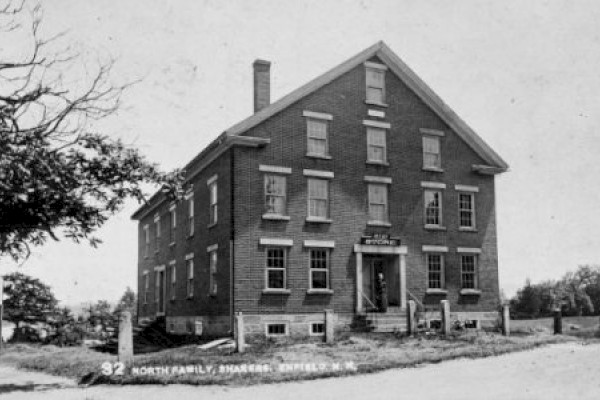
<point>378,203</point>
<point>433,200</point>
<point>157,230</point>
<point>212,261</point>
<point>173,288</point>
<point>146,286</point>
<point>317,134</point>
<point>375,83</point>
<point>466,207</point>
<point>172,223</point>
<point>213,198</point>
<point>275,194</point>
<point>376,145</point>
<point>189,198</point>
<point>432,153</point>
<point>318,198</point>
<point>146,240</point>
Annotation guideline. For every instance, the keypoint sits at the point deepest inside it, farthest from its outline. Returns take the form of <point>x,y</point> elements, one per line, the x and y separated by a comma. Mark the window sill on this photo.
<point>466,229</point>
<point>319,291</point>
<point>435,228</point>
<point>379,223</point>
<point>276,217</point>
<point>276,291</point>
<point>380,163</point>
<point>321,156</point>
<point>211,225</point>
<point>436,291</point>
<point>433,169</point>
<point>190,236</point>
<point>376,103</point>
<point>470,292</point>
<point>318,220</point>
<point>190,298</point>
<point>171,244</point>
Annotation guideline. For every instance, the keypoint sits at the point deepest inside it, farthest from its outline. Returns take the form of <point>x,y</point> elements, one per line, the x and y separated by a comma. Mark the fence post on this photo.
<point>411,311</point>
<point>329,326</point>
<point>505,319</point>
<point>125,338</point>
<point>558,322</point>
<point>445,313</point>
<point>239,333</point>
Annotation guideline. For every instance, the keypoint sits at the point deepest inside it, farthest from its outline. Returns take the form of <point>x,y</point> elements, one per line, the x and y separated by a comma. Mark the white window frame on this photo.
<point>190,213</point>
<point>268,269</point>
<point>326,199</point>
<point>439,208</point>
<point>311,331</point>
<point>146,240</point>
<point>173,275</point>
<point>173,223</point>
<point>213,265</point>
<point>371,67</point>
<point>268,213</point>
<point>442,270</point>
<point>372,130</point>
<point>285,325</point>
<point>311,137</point>
<point>157,232</point>
<point>213,195</point>
<point>473,224</point>
<point>373,221</point>
<point>475,271</point>
<point>437,166</point>
<point>189,268</point>
<point>146,286</point>
<point>327,268</point>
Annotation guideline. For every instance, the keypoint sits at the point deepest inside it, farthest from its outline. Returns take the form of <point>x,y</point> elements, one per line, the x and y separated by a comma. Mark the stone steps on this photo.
<point>387,322</point>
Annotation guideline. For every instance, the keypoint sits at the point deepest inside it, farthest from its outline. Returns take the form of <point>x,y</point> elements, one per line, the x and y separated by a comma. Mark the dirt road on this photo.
<point>566,371</point>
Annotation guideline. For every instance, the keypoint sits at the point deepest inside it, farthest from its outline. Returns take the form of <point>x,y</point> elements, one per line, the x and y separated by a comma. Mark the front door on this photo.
<point>373,265</point>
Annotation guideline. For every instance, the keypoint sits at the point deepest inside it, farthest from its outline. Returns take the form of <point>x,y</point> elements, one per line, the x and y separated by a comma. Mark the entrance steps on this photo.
<point>390,321</point>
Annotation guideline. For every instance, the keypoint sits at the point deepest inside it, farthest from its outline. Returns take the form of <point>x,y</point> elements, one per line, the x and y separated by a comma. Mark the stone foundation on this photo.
<point>210,325</point>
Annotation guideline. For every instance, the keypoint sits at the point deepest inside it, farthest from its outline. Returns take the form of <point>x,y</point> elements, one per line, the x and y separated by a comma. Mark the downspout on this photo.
<point>231,240</point>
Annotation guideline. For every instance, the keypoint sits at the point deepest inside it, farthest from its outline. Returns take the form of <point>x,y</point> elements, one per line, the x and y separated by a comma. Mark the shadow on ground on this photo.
<point>28,387</point>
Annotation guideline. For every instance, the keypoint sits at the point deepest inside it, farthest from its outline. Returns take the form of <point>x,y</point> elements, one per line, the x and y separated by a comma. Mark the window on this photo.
<point>319,268</point>
<point>276,329</point>
<point>317,137</point>
<point>468,268</point>
<point>213,272</point>
<point>212,189</point>
<point>378,203</point>
<point>375,85</point>
<point>318,198</point>
<point>435,271</point>
<point>146,287</point>
<point>190,277</point>
<point>190,214</point>
<point>376,145</point>
<point>172,224</point>
<point>157,237</point>
<point>173,281</point>
<point>317,328</point>
<point>433,208</point>
<point>466,210</point>
<point>431,152</point>
<point>276,265</point>
<point>275,189</point>
<point>146,240</point>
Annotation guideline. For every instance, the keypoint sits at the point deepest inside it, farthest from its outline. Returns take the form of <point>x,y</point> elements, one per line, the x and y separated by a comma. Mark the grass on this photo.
<point>573,326</point>
<point>365,352</point>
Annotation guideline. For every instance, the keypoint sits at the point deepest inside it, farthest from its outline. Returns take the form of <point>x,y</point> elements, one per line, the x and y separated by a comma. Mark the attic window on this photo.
<point>375,83</point>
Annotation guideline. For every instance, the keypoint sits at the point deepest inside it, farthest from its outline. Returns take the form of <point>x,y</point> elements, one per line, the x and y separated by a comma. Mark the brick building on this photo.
<point>299,207</point>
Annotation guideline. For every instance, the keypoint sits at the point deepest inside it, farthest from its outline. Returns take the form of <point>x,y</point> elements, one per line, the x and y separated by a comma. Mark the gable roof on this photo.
<point>404,73</point>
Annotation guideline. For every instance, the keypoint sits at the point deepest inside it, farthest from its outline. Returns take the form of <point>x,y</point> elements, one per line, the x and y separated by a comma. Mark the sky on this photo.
<point>523,75</point>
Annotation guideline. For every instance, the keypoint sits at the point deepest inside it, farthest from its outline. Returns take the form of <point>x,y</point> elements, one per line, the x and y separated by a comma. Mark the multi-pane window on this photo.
<point>157,230</point>
<point>376,145</point>
<point>319,268</point>
<point>276,330</point>
<point>466,210</point>
<point>431,152</point>
<point>433,207</point>
<point>276,265</point>
<point>173,281</point>
<point>468,267</point>
<point>212,189</point>
<point>190,214</point>
<point>378,202</point>
<point>172,224</point>
<point>146,240</point>
<point>317,137</point>
<point>318,198</point>
<point>189,264</point>
<point>375,85</point>
<point>435,271</point>
<point>275,188</point>
<point>146,287</point>
<point>213,272</point>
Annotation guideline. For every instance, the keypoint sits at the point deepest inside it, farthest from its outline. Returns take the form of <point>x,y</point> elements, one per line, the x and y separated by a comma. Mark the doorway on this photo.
<point>384,264</point>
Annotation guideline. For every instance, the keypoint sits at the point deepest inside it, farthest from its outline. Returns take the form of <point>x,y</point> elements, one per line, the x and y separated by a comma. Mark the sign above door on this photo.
<point>380,239</point>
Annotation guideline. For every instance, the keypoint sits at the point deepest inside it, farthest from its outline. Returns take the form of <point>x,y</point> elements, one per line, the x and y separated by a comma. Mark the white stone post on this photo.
<point>505,320</point>
<point>445,314</point>
<point>329,326</point>
<point>402,274</point>
<point>239,333</point>
<point>411,322</point>
<point>359,282</point>
<point>125,338</point>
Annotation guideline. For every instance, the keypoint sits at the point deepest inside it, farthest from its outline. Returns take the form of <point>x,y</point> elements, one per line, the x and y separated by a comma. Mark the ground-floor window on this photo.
<point>146,286</point>
<point>213,272</point>
<point>319,268</point>
<point>468,266</point>
<point>276,268</point>
<point>190,277</point>
<point>435,271</point>
<point>173,281</point>
<point>276,329</point>
<point>317,328</point>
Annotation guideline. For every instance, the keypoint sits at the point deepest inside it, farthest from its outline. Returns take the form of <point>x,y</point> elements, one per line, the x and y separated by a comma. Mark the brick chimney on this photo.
<point>262,84</point>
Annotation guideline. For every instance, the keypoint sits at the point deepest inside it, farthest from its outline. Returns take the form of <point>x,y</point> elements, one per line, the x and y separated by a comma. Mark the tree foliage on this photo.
<point>27,299</point>
<point>58,176</point>
<point>128,302</point>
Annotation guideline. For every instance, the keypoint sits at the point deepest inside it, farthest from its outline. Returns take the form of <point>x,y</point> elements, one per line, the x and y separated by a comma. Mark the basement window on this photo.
<point>276,330</point>
<point>317,328</point>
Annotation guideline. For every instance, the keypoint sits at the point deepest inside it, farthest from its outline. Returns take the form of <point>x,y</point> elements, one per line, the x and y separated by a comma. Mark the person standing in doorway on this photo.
<point>381,293</point>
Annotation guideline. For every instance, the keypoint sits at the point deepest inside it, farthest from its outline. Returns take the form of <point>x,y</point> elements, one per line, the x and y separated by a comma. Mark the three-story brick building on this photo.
<point>298,208</point>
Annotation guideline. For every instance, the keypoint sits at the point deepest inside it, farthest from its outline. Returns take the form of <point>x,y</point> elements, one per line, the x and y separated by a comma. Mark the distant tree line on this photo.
<point>576,293</point>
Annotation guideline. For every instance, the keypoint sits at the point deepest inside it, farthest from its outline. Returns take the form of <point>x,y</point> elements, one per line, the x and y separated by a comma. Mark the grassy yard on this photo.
<point>575,326</point>
<point>273,362</point>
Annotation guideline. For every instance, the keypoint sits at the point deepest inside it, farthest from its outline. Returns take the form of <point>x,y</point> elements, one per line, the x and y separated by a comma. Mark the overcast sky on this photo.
<point>524,75</point>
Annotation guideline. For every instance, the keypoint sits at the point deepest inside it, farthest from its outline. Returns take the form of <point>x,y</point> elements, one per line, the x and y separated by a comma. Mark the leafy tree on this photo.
<point>527,301</point>
<point>27,299</point>
<point>128,302</point>
<point>58,176</point>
